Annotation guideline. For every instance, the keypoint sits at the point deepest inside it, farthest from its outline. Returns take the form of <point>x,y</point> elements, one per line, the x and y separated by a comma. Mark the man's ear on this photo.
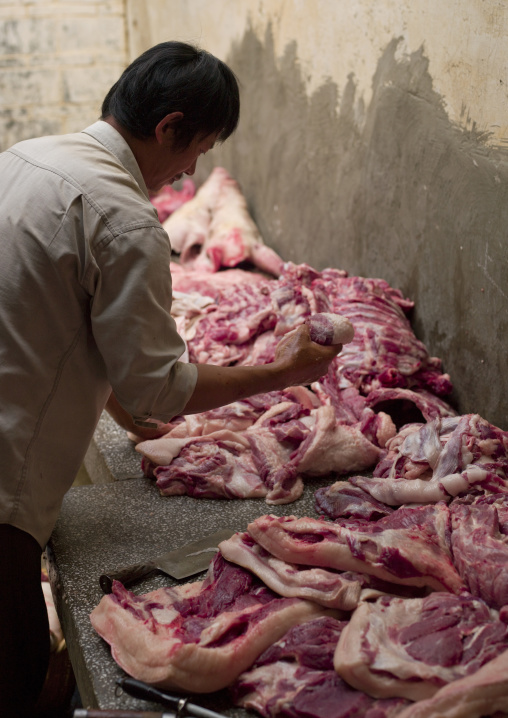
<point>164,131</point>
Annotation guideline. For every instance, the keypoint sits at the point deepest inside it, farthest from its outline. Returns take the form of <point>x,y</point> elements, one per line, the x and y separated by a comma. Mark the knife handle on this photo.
<point>127,575</point>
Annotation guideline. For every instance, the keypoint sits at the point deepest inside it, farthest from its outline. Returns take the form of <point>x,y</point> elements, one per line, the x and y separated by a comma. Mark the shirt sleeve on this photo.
<point>133,327</point>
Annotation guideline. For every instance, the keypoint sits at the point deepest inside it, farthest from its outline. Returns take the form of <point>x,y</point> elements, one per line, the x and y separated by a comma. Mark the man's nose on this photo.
<point>191,169</point>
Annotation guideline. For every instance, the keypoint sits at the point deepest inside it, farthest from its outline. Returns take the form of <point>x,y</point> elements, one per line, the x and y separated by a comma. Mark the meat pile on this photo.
<point>393,600</point>
<point>315,618</point>
<point>265,446</point>
<point>214,229</point>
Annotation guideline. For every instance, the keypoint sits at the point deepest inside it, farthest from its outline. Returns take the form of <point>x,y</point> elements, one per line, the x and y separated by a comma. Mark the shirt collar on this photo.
<point>106,134</point>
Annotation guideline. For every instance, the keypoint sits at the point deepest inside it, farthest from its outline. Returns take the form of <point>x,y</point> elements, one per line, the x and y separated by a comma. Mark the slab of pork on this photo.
<point>480,546</point>
<point>344,500</point>
<point>341,590</point>
<point>215,229</point>
<point>411,546</point>
<point>436,461</point>
<point>295,678</point>
<point>200,636</point>
<point>484,693</point>
<point>410,647</point>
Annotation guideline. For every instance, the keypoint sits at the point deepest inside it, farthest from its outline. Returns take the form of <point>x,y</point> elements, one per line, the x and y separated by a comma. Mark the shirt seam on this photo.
<point>97,208</point>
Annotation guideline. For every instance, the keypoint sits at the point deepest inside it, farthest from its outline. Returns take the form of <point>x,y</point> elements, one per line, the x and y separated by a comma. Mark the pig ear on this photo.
<point>165,128</point>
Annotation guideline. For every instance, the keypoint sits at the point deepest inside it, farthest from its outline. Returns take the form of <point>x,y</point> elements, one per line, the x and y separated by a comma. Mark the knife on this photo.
<point>181,563</point>
<point>138,689</point>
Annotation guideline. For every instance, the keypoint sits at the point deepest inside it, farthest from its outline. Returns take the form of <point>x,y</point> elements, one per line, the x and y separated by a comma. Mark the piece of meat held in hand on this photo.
<point>326,328</point>
<point>411,647</point>
<point>295,678</point>
<point>411,546</point>
<point>200,636</point>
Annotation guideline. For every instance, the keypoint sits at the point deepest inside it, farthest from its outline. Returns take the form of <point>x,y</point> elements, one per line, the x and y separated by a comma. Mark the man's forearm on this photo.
<point>298,360</point>
<point>217,386</point>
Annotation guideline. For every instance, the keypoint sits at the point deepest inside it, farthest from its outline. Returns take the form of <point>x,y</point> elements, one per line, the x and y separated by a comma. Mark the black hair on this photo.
<point>175,77</point>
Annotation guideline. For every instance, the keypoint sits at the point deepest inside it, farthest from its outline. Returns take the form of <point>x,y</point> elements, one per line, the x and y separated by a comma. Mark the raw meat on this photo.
<point>233,236</point>
<point>294,678</point>
<point>200,636</point>
<point>189,281</point>
<point>483,693</point>
<point>209,467</point>
<point>328,588</point>
<point>444,458</point>
<point>169,199</point>
<point>345,434</point>
<point>332,446</point>
<point>272,460</point>
<point>189,226</point>
<point>222,334</point>
<point>344,500</point>
<point>480,546</point>
<point>410,647</point>
<point>384,352</point>
<point>332,589</point>
<point>326,328</point>
<point>385,362</point>
<point>272,444</point>
<point>411,546</point>
<point>400,401</point>
<point>215,229</point>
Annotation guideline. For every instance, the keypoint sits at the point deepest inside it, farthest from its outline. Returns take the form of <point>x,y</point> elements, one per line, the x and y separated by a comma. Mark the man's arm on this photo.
<point>298,360</point>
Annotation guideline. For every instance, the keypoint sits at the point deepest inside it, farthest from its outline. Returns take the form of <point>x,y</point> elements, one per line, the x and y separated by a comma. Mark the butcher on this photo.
<point>85,299</point>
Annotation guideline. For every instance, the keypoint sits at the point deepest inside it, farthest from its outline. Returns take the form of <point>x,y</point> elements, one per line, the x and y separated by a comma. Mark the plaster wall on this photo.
<point>58,58</point>
<point>373,138</point>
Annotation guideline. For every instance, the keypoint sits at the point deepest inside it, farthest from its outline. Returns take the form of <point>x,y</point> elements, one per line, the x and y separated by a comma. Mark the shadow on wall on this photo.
<point>392,190</point>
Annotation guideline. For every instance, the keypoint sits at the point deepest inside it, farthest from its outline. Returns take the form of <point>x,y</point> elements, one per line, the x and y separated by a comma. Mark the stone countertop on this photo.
<point>111,455</point>
<point>102,527</point>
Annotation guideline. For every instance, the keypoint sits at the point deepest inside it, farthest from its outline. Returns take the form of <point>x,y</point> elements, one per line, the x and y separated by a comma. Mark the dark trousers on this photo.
<point>24,628</point>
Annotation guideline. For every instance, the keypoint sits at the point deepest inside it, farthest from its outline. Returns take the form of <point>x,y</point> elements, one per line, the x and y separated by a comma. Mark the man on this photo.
<point>85,298</point>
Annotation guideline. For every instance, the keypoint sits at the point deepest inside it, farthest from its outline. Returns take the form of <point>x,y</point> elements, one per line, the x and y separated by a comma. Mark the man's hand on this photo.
<point>301,358</point>
<point>125,420</point>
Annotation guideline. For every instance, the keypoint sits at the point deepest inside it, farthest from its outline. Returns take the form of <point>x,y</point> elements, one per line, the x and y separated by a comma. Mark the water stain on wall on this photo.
<point>392,190</point>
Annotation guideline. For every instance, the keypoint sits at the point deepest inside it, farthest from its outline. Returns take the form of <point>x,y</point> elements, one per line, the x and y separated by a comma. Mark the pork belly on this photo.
<point>344,500</point>
<point>295,678</point>
<point>410,647</point>
<point>411,546</point>
<point>480,546</point>
<point>197,637</point>
<point>436,461</point>
<point>484,693</point>
<point>341,590</point>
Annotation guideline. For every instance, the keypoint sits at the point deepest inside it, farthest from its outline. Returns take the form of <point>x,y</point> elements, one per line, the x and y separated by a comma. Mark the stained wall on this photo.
<point>58,58</point>
<point>374,138</point>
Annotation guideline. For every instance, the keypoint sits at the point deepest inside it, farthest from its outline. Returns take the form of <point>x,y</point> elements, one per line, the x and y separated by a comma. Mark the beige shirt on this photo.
<point>85,298</point>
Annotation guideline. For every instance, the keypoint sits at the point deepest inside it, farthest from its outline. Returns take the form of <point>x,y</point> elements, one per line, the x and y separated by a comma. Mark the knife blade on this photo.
<point>180,563</point>
<point>138,689</point>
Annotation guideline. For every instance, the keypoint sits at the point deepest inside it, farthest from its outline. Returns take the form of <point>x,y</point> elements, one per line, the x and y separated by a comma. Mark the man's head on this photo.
<point>174,77</point>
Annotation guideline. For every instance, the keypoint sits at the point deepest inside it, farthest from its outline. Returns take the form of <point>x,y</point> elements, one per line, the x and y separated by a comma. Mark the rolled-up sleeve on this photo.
<point>132,325</point>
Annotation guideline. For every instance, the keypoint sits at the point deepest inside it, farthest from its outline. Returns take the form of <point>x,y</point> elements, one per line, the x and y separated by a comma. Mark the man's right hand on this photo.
<point>302,359</point>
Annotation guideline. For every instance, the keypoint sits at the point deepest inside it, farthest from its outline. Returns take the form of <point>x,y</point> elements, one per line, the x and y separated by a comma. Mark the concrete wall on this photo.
<point>374,137</point>
<point>58,58</point>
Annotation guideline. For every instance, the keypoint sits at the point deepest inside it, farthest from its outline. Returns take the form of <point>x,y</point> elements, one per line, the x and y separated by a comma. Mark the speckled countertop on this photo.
<point>111,525</point>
